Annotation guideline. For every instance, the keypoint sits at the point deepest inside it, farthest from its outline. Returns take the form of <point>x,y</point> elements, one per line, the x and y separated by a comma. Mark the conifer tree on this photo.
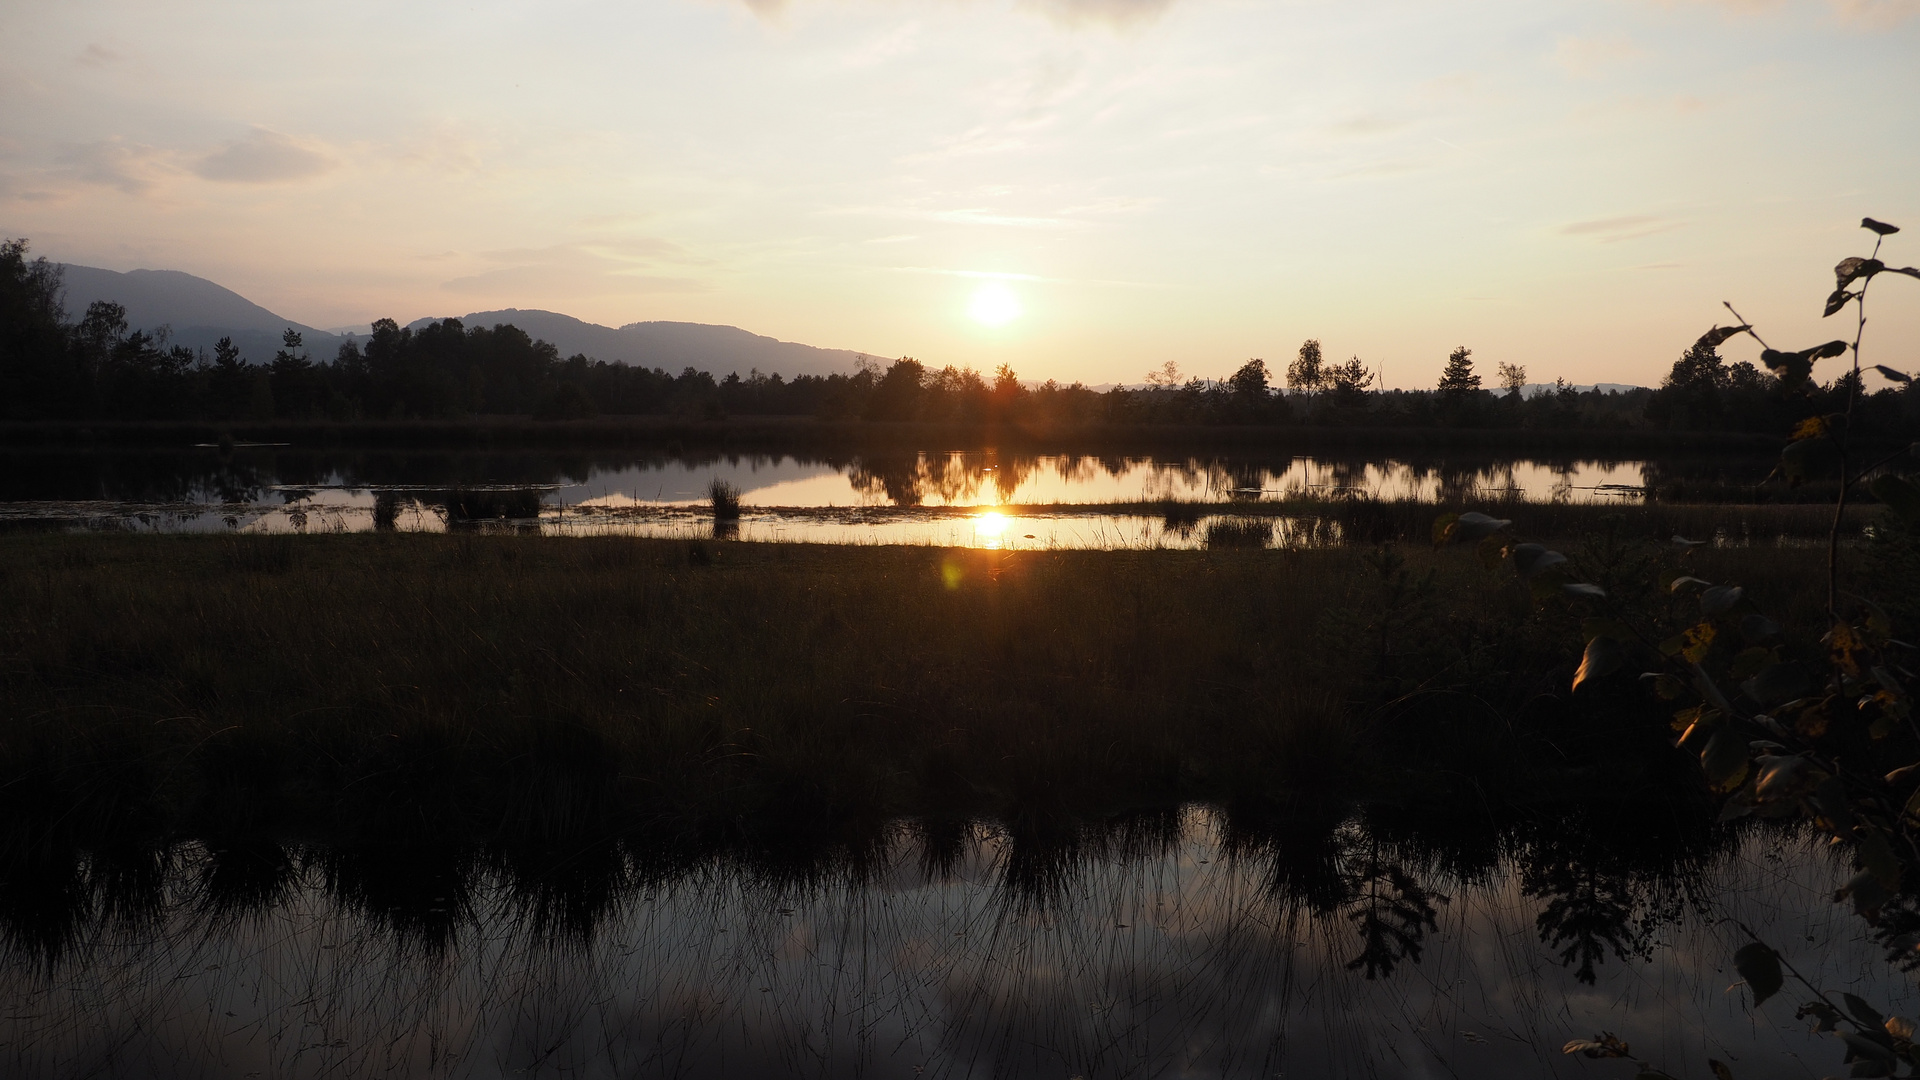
<point>1458,379</point>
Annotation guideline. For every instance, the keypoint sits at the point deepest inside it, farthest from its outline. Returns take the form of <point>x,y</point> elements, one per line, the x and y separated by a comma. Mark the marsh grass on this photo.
<point>391,712</point>
<point>725,500</point>
<point>1181,517</point>
<point>1377,521</point>
<point>1239,532</point>
<point>259,553</point>
<point>483,504</point>
<point>1361,520</point>
<point>719,674</point>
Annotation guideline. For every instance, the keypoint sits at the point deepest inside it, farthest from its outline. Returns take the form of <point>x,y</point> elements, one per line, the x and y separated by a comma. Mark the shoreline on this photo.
<point>809,433</point>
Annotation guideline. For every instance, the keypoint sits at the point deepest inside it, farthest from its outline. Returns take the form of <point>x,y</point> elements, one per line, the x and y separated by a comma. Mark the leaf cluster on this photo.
<point>1789,722</point>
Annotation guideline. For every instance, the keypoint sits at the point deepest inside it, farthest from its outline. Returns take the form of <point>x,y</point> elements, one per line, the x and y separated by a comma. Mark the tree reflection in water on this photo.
<point>1220,941</point>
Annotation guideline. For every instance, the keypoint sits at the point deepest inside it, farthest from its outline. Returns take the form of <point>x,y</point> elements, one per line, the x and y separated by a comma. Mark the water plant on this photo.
<point>1246,532</point>
<point>725,500</point>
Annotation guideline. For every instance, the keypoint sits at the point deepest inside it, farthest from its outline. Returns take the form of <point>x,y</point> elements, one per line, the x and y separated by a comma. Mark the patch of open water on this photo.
<point>1190,958</point>
<point>960,498</point>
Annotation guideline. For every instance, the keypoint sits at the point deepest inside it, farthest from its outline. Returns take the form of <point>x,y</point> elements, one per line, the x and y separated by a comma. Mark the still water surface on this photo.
<point>1182,958</point>
<point>942,498</point>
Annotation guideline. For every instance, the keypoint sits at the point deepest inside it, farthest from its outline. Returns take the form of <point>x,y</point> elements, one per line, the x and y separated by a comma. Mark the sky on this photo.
<point>1083,189</point>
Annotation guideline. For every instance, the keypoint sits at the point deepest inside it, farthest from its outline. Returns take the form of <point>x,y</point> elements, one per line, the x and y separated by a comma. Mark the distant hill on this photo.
<point>1535,389</point>
<point>670,345</point>
<point>197,311</point>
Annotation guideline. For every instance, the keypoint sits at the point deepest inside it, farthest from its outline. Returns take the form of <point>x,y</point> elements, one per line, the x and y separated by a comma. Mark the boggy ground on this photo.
<point>338,682</point>
<point>398,710</point>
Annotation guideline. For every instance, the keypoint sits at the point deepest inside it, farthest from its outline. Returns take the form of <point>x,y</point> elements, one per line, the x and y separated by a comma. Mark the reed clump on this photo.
<point>725,500</point>
<point>1239,532</point>
<point>1180,517</point>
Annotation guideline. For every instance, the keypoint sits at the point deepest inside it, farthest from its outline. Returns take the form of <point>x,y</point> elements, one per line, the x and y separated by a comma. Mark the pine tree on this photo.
<point>1458,380</point>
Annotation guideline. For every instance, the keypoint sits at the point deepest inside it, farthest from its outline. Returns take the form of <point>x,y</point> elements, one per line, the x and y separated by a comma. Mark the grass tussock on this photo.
<point>725,500</point>
<point>1239,532</point>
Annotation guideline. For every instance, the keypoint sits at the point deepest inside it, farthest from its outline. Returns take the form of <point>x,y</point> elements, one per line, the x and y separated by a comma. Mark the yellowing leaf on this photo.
<point>1725,759</point>
<point>1699,639</point>
<point>1604,656</point>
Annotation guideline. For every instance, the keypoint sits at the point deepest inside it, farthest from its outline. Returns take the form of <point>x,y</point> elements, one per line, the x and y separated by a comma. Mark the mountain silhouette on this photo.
<point>670,345</point>
<point>198,313</point>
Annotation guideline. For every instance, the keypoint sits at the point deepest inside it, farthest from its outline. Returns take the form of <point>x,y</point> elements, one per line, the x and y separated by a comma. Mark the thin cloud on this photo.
<point>131,167</point>
<point>566,280</point>
<point>1615,229</point>
<point>957,216</point>
<point>443,149</point>
<point>1367,124</point>
<point>1879,14</point>
<point>1379,169</point>
<point>988,217</point>
<point>1586,57</point>
<point>643,249</point>
<point>1114,204</point>
<point>1116,13</point>
<point>1735,7</point>
<point>96,55</point>
<point>263,156</point>
<point>997,275</point>
<point>1875,14</point>
<point>881,49</point>
<point>1113,13</point>
<point>617,267</point>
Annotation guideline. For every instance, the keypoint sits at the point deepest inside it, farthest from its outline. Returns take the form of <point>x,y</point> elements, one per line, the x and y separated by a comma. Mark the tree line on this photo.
<point>98,367</point>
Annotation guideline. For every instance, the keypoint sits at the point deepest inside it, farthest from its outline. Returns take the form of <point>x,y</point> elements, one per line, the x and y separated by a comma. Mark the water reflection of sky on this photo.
<point>986,479</point>
<point>1175,965</point>
<point>790,499</point>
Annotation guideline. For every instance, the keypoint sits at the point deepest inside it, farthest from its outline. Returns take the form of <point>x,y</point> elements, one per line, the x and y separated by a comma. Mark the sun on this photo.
<point>994,304</point>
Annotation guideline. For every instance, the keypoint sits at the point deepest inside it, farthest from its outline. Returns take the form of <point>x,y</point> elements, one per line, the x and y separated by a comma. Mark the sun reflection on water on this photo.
<point>990,528</point>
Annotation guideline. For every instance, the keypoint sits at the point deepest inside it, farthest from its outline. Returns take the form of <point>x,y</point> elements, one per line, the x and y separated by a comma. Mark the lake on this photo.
<point>967,498</point>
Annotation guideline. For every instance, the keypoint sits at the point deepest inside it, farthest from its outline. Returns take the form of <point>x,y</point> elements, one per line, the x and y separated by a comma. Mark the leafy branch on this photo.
<point>1771,739</point>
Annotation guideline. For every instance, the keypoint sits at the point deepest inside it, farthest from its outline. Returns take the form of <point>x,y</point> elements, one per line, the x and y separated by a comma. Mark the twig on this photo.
<point>1846,430</point>
<point>1750,331</point>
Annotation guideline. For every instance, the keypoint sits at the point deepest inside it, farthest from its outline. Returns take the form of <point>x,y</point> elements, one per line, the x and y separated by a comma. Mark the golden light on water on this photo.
<point>990,525</point>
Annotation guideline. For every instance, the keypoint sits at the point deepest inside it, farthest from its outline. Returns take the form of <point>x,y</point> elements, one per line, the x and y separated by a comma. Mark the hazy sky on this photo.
<point>1571,186</point>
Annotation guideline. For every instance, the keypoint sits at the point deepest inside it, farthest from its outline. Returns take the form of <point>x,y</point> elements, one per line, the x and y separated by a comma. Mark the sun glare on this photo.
<point>994,304</point>
<point>990,525</point>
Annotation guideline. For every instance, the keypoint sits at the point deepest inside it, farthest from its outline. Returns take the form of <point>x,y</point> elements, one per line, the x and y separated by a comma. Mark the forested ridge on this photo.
<point>100,368</point>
